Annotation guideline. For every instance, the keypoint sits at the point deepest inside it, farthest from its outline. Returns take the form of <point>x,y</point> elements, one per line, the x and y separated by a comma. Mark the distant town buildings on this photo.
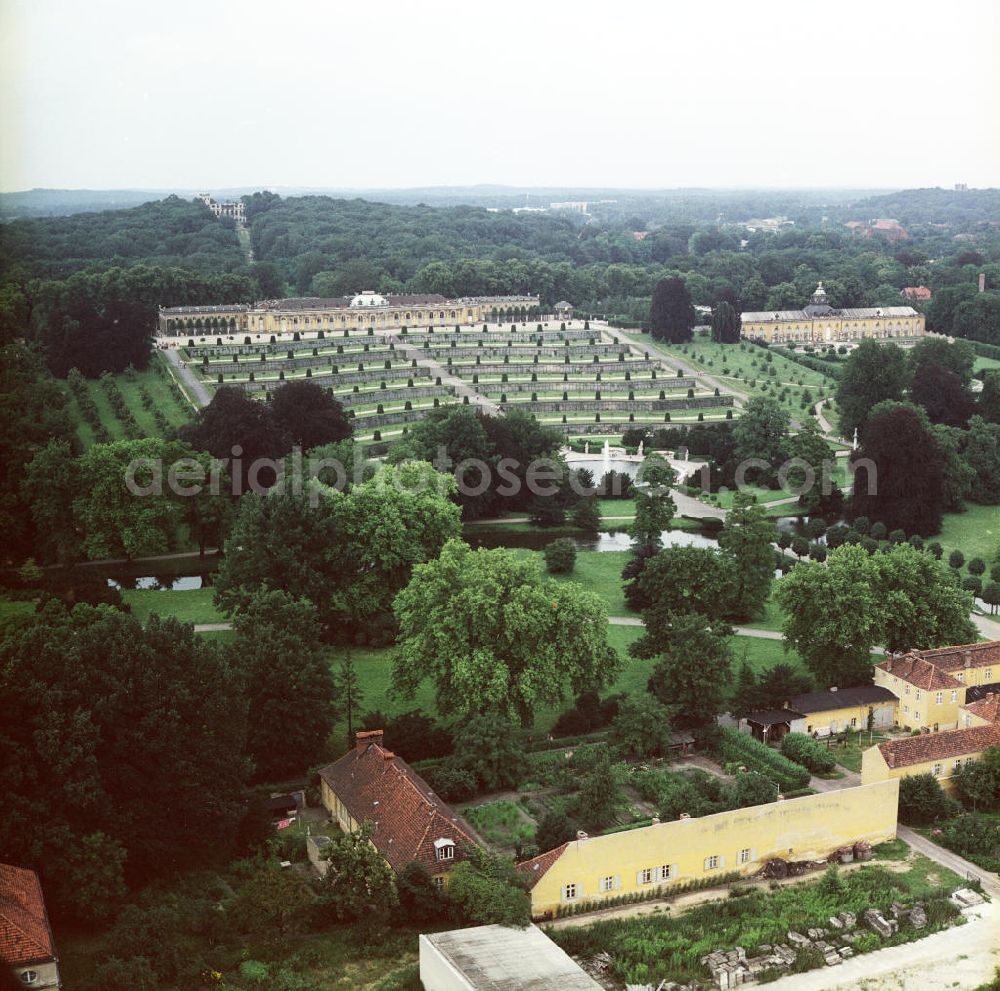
<point>364,309</point>
<point>237,210</point>
<point>891,230</point>
<point>26,945</point>
<point>769,225</point>
<point>821,323</point>
<point>919,294</point>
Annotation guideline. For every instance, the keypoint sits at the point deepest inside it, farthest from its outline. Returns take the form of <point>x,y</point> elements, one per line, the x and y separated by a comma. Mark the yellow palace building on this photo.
<point>820,323</point>
<point>308,314</point>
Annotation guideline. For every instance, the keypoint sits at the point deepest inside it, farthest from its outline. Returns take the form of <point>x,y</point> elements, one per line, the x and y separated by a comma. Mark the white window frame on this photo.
<point>936,771</point>
<point>607,883</point>
<point>569,892</point>
<point>743,856</point>
<point>939,698</point>
<point>646,875</point>
<point>712,862</point>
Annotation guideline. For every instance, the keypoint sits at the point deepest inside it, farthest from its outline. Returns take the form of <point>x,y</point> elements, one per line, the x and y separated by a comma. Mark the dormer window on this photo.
<point>444,849</point>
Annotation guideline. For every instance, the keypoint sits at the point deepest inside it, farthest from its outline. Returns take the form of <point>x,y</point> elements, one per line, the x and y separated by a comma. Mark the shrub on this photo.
<point>806,751</point>
<point>453,784</point>
<point>560,556</point>
<point>741,749</point>
<point>977,566</point>
<point>956,559</point>
<point>922,801</point>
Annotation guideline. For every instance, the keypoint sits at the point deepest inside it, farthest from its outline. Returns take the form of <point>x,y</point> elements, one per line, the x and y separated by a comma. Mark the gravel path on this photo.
<point>194,386</point>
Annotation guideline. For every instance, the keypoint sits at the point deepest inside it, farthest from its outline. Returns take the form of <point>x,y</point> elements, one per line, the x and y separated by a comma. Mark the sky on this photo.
<point>107,94</point>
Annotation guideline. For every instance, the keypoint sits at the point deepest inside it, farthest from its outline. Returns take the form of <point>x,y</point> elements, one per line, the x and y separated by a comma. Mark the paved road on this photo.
<point>194,386</point>
<point>989,628</point>
<point>212,627</point>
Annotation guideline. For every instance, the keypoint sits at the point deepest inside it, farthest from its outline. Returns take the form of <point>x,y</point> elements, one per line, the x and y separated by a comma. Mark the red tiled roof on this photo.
<point>25,936</point>
<point>916,292</point>
<point>917,671</point>
<point>378,787</point>
<point>536,868</point>
<point>987,708</point>
<point>978,655</point>
<point>939,746</point>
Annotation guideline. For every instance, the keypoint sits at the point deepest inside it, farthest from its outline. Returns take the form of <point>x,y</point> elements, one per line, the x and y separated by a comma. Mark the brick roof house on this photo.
<point>986,709</point>
<point>26,943</point>
<point>410,822</point>
<point>536,868</point>
<point>939,746</point>
<point>920,293</point>
<point>916,670</point>
<point>838,698</point>
<point>969,655</point>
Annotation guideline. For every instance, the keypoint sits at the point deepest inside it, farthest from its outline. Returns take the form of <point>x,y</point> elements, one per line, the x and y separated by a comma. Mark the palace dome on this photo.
<point>369,298</point>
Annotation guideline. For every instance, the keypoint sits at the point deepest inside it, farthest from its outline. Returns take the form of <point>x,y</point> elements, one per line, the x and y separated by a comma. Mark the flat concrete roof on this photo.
<point>495,958</point>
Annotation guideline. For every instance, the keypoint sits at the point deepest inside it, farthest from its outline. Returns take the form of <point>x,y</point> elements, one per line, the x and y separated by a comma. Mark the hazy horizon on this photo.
<point>112,95</point>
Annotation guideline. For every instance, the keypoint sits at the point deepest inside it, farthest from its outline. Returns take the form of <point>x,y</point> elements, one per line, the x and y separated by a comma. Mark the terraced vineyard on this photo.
<point>572,375</point>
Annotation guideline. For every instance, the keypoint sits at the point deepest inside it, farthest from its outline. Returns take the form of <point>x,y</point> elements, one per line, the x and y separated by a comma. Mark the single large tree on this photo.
<point>762,432</point>
<point>671,314</point>
<point>685,580</point>
<point>693,667</point>
<point>290,688</point>
<point>747,538</point>
<point>308,414</point>
<point>726,324</point>
<point>873,373</point>
<point>982,454</point>
<point>833,615</point>
<point>941,393</point>
<point>491,634</point>
<point>654,503</point>
<point>907,491</point>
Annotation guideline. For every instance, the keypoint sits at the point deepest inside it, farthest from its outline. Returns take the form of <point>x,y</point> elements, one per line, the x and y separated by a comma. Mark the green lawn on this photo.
<point>984,364</point>
<point>849,756</point>
<point>745,368</point>
<point>188,605</point>
<point>976,533</point>
<point>772,617</point>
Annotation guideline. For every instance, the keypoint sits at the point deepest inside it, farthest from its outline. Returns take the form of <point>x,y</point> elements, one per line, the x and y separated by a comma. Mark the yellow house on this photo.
<point>821,323</point>
<point>409,822</point>
<point>931,685</point>
<point>938,754</point>
<point>836,710</point>
<point>590,869</point>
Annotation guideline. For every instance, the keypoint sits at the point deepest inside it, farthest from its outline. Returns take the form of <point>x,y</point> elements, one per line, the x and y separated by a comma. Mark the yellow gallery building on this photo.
<point>593,868</point>
<point>309,314</point>
<point>820,323</point>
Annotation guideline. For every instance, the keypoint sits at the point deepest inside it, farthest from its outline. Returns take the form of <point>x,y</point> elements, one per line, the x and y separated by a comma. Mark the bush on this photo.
<point>922,801</point>
<point>806,751</point>
<point>956,559</point>
<point>453,784</point>
<point>977,566</point>
<point>741,749</point>
<point>560,556</point>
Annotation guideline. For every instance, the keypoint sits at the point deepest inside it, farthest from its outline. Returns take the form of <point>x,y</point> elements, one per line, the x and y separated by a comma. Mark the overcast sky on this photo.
<point>391,93</point>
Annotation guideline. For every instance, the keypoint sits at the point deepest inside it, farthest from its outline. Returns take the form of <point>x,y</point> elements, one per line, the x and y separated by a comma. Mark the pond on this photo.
<point>170,575</point>
<point>539,539</point>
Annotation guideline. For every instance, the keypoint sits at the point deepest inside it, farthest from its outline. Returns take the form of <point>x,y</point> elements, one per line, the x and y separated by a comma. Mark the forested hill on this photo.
<point>931,206</point>
<point>169,232</point>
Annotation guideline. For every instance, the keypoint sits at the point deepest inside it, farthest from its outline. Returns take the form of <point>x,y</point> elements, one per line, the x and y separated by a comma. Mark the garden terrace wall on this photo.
<point>619,405</point>
<point>306,361</point>
<point>380,420</point>
<point>394,395</point>
<point>606,385</point>
<point>521,350</point>
<point>635,366</point>
<point>500,337</point>
<point>282,346</point>
<point>340,379</point>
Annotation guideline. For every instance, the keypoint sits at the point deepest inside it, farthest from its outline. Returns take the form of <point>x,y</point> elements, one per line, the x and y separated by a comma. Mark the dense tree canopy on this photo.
<point>874,372</point>
<point>671,317</point>
<point>118,725</point>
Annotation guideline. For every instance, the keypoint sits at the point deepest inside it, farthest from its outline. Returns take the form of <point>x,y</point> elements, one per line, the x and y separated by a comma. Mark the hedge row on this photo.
<point>756,756</point>
<point>804,750</point>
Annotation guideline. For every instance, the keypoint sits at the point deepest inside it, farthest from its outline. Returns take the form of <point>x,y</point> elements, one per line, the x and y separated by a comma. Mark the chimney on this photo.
<point>890,759</point>
<point>982,282</point>
<point>967,658</point>
<point>364,737</point>
<point>388,756</point>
